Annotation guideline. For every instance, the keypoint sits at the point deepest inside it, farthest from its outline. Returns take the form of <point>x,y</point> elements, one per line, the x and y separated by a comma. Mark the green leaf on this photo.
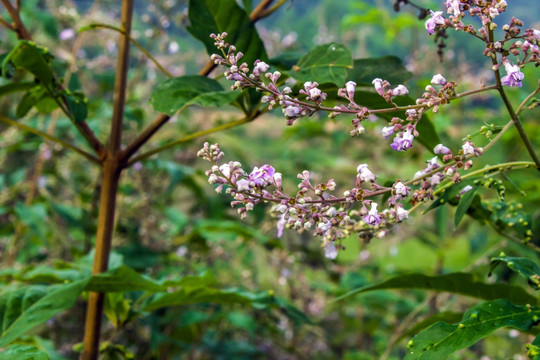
<point>194,295</point>
<point>457,283</point>
<point>449,195</point>
<point>464,204</point>
<point>173,95</point>
<point>16,86</point>
<point>534,349</point>
<point>23,352</point>
<point>325,64</point>
<point>217,16</point>
<point>446,316</point>
<point>442,339</point>
<point>388,68</point>
<point>28,56</point>
<point>523,266</point>
<point>37,97</point>
<point>122,279</point>
<point>22,309</point>
<point>77,106</point>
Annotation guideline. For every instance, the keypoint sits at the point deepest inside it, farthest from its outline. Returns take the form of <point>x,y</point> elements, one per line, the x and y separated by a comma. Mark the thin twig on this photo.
<point>189,138</point>
<point>50,137</point>
<point>524,102</point>
<point>143,137</point>
<point>5,24</point>
<point>135,42</point>
<point>18,24</point>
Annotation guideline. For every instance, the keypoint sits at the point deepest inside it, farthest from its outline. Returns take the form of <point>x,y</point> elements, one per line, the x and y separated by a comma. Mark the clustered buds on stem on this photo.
<point>315,207</point>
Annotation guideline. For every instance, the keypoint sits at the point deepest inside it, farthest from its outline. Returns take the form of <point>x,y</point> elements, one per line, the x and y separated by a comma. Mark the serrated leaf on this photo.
<point>217,16</point>
<point>527,268</point>
<point>23,352</point>
<point>442,339</point>
<point>327,63</point>
<point>457,283</point>
<point>23,309</point>
<point>388,68</point>
<point>464,204</point>
<point>173,95</point>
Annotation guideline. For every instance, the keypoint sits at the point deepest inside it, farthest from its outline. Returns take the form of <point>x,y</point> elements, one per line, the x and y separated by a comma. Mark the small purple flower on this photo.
<point>262,176</point>
<point>441,149</point>
<point>401,214</point>
<point>260,67</point>
<point>330,250</point>
<point>436,19</point>
<point>378,84</point>
<point>365,174</point>
<point>292,111</point>
<point>372,217</point>
<point>404,142</point>
<point>465,189</point>
<point>281,225</point>
<point>351,88</point>
<point>452,7</point>
<point>468,148</point>
<point>514,76</point>
<point>400,90</point>
<point>401,189</point>
<point>387,132</point>
<point>438,79</point>
<point>67,34</point>
<point>242,185</point>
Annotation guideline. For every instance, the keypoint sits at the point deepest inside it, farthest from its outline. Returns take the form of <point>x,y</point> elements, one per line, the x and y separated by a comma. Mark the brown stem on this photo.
<point>144,136</point>
<point>19,27</point>
<point>112,169</point>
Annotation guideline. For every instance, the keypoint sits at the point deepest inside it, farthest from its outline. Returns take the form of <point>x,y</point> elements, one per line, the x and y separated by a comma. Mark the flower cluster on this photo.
<point>523,47</point>
<point>316,208</point>
<point>310,98</point>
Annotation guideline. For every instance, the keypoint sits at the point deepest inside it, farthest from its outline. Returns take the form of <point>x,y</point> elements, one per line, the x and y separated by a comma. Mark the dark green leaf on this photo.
<point>23,352</point>
<point>442,339</point>
<point>464,204</point>
<point>449,195</point>
<point>174,94</point>
<point>16,86</point>
<point>523,266</point>
<point>217,16</point>
<point>23,309</point>
<point>458,283</point>
<point>325,64</point>
<point>77,107</point>
<point>388,68</point>
<point>446,316</point>
<point>26,55</point>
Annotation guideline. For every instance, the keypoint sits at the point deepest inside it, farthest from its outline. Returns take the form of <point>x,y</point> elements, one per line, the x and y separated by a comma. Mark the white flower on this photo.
<point>400,90</point>
<point>401,214</point>
<point>468,149</point>
<point>243,185</point>
<point>225,170</point>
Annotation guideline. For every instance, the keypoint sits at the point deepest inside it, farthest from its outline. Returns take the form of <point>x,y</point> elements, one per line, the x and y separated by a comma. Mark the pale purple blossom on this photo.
<point>260,67</point>
<point>388,131</point>
<point>438,79</point>
<point>281,225</point>
<point>292,111</point>
<point>401,189</point>
<point>400,90</point>
<point>452,7</point>
<point>330,250</point>
<point>67,34</point>
<point>372,217</point>
<point>404,142</point>
<point>441,149</point>
<point>262,176</point>
<point>242,185</point>
<point>401,214</point>
<point>465,189</point>
<point>468,148</point>
<point>436,19</point>
<point>513,75</point>
<point>351,88</point>
<point>365,174</point>
<point>378,84</point>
